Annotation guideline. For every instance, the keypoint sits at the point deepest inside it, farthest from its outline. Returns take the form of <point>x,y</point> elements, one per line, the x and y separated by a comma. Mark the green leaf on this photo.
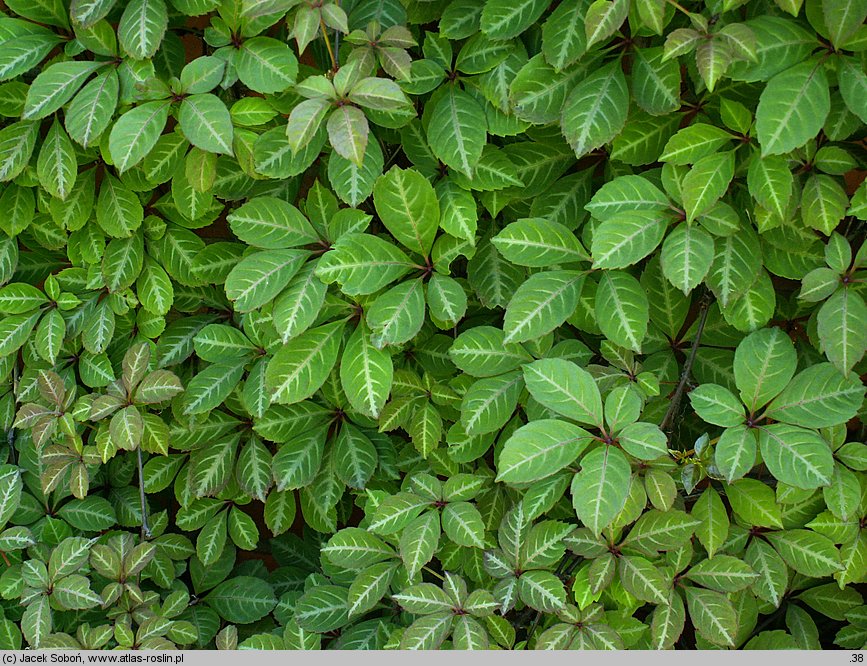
<point>458,210</point>
<point>355,457</point>
<point>348,133</point>
<point>565,388</point>
<point>764,363</point>
<point>713,615</point>
<point>843,494</point>
<point>55,86</point>
<point>427,633</point>
<point>419,541</point>
<point>408,207</point>
<point>353,183</point>
<point>502,19</point>
<point>655,81</point>
<point>446,300</point>
<point>68,557</point>
<point>74,593</point>
<point>355,548</point>
<point>142,26</point>
<point>122,262</point>
<point>463,524</point>
<point>622,310</point>
<point>716,404</point>
<point>136,132</point>
<point>397,315</point>
<point>304,121</point>
<point>853,88</point>
<point>118,210</point>
<point>723,573</point>
<point>735,452</point>
<point>378,94</point>
<point>322,608</point>
<point>644,441</point>
<point>24,53</point>
<point>713,58</point>
<point>298,460</point>
<point>363,264</point>
<point>626,238</point>
<point>369,587</point>
<point>242,600</point>
<point>302,365</point>
<point>254,469</point>
<point>10,491</point>
<point>366,373</point>
<point>642,579</point>
<point>661,530</point>
<point>773,575</point>
<point>16,146</point>
<point>842,18</point>
<point>792,108</point>
<point>755,503</point>
<point>56,166</point>
<point>796,456</point>
<point>538,242</point>
<point>202,74</point>
<point>595,111</point>
<point>481,352</point>
<point>271,223</point>
<point>694,142</point>
<point>706,182</point>
<point>600,489</point>
<point>563,35</point>
<point>771,183</point>
<point>210,472</point>
<point>713,521</point>
<point>259,277</point>
<point>824,203</point>
<point>667,623</point>
<point>205,121</point>
<point>20,298</point>
<point>457,131</point>
<point>266,65</point>
<point>468,633</point>
<point>542,590</point>
<point>818,397</point>
<point>489,403</point>
<point>539,449</point>
<point>298,305</point>
<point>36,621</point>
<point>210,387</point>
<point>90,112</point>
<point>602,19</point>
<point>841,329</point>
<point>15,330</point>
<point>218,343</point>
<point>687,255</point>
<point>423,599</point>
<point>806,552</point>
<point>541,304</point>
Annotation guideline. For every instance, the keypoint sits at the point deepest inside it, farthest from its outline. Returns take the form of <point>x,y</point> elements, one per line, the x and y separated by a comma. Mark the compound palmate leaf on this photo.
<point>469,324</point>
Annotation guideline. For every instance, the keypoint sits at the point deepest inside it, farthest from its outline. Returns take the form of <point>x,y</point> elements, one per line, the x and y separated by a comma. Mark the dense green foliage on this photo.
<point>433,323</point>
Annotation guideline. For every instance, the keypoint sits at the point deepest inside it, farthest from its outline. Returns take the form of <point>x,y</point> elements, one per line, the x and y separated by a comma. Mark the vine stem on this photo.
<point>434,573</point>
<point>145,528</point>
<point>337,40</point>
<point>687,367</point>
<point>328,44</point>
<point>678,6</point>
<point>532,629</point>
